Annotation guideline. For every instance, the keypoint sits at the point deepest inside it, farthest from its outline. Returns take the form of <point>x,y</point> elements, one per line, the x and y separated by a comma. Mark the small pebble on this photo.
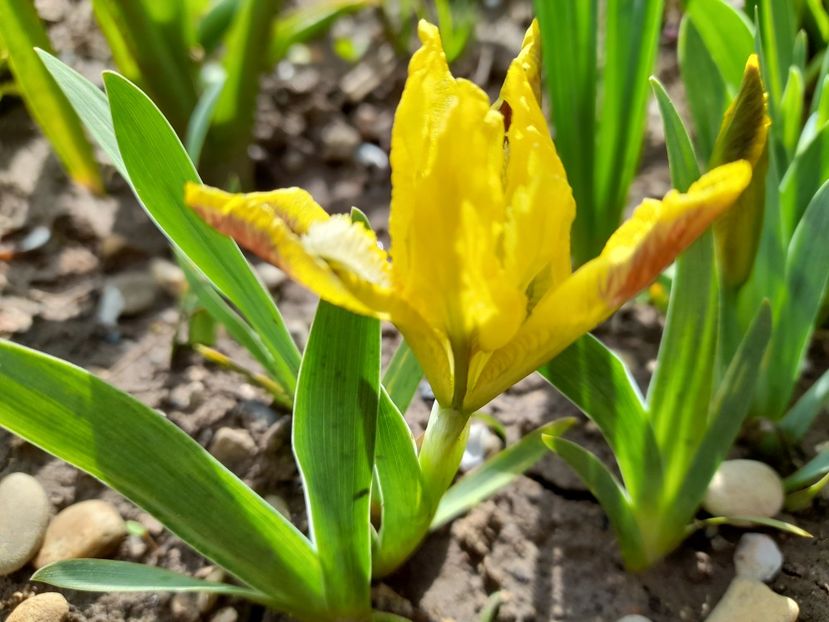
<point>225,614</point>
<point>635,617</point>
<point>183,608</point>
<point>46,607</point>
<point>339,141</point>
<point>744,488</point>
<point>370,155</point>
<point>24,517</point>
<point>169,277</point>
<point>481,444</point>
<point>747,600</point>
<point>757,557</point>
<point>206,601</point>
<point>232,446</point>
<point>91,528</point>
<point>271,276</point>
<point>279,504</point>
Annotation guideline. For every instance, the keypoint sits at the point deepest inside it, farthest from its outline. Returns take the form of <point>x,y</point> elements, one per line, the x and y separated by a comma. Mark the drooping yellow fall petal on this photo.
<point>448,207</point>
<point>334,257</point>
<point>540,205</point>
<point>636,253</point>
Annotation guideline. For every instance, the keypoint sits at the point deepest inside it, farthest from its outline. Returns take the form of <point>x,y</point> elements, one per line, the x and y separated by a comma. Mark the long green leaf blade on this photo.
<point>335,422</point>
<point>729,408</point>
<point>402,376</point>
<point>106,575</point>
<point>158,168</point>
<point>404,511</point>
<point>68,412</point>
<point>20,32</point>
<point>800,416</point>
<point>600,385</point>
<point>497,472</point>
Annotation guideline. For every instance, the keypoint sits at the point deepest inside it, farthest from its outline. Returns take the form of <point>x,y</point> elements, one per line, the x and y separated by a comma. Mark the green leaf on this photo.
<point>728,409</point>
<point>799,418</point>
<point>777,29</point>
<point>215,23</point>
<point>809,473</point>
<point>158,168</point>
<point>402,376</point>
<point>405,515</point>
<point>608,491</point>
<point>308,21</point>
<point>791,112</point>
<point>335,422</point>
<point>225,154</point>
<point>20,32</point>
<point>497,472</point>
<point>149,46</point>
<point>740,521</point>
<point>105,575</point>
<point>631,40</point>
<point>806,174</point>
<point>705,87</point>
<point>801,499</point>
<point>600,385</point>
<point>73,415</point>
<point>199,122</point>
<point>807,271</point>
<point>681,157</point>
<point>571,81</point>
<point>727,35</point>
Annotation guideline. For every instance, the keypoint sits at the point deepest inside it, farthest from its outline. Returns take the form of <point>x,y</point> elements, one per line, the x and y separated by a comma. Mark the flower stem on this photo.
<point>441,452</point>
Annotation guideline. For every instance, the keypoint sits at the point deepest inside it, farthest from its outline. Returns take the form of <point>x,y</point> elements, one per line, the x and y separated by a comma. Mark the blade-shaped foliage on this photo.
<point>20,32</point>
<point>600,385</point>
<point>68,412</point>
<point>497,472</point>
<point>107,575</point>
<point>404,512</point>
<point>158,168</point>
<point>335,421</point>
<point>799,417</point>
<point>402,376</point>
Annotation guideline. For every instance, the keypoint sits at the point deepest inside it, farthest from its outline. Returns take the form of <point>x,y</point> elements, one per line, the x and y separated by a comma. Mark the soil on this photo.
<point>542,547</point>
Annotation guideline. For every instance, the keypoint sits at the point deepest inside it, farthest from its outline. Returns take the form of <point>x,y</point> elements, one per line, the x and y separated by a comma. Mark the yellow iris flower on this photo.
<point>478,278</point>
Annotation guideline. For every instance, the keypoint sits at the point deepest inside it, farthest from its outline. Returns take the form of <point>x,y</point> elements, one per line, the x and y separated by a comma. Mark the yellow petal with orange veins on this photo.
<point>637,252</point>
<point>335,258</point>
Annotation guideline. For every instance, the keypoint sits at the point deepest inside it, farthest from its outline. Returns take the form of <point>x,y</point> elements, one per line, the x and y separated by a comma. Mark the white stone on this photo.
<point>24,516</point>
<point>747,600</point>
<point>271,276</point>
<point>757,557</point>
<point>47,607</point>
<point>635,617</point>
<point>168,276</point>
<point>225,614</point>
<point>232,446</point>
<point>91,528</point>
<point>744,488</point>
<point>482,443</point>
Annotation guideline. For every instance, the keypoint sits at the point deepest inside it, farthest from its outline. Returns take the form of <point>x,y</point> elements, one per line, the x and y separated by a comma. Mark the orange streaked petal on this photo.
<point>337,259</point>
<point>635,255</point>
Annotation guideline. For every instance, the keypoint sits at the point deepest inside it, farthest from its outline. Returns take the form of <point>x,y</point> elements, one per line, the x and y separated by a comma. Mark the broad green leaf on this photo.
<point>610,494</point>
<point>728,409</point>
<point>806,174</point>
<point>145,34</point>
<point>20,32</point>
<point>571,81</point>
<point>307,21</point>
<point>158,168</point>
<point>705,87</point>
<point>402,376</point>
<point>106,575</point>
<point>799,418</point>
<point>497,472</point>
<point>809,473</point>
<point>225,154</point>
<point>600,385</point>
<point>404,513</point>
<point>334,427</point>
<point>727,35</point>
<point>807,271</point>
<point>631,39</point>
<point>67,412</point>
<point>681,156</point>
<point>199,122</point>
<point>777,29</point>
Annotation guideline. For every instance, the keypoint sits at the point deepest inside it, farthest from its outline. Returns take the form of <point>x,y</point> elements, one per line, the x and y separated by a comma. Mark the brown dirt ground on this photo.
<point>543,542</point>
